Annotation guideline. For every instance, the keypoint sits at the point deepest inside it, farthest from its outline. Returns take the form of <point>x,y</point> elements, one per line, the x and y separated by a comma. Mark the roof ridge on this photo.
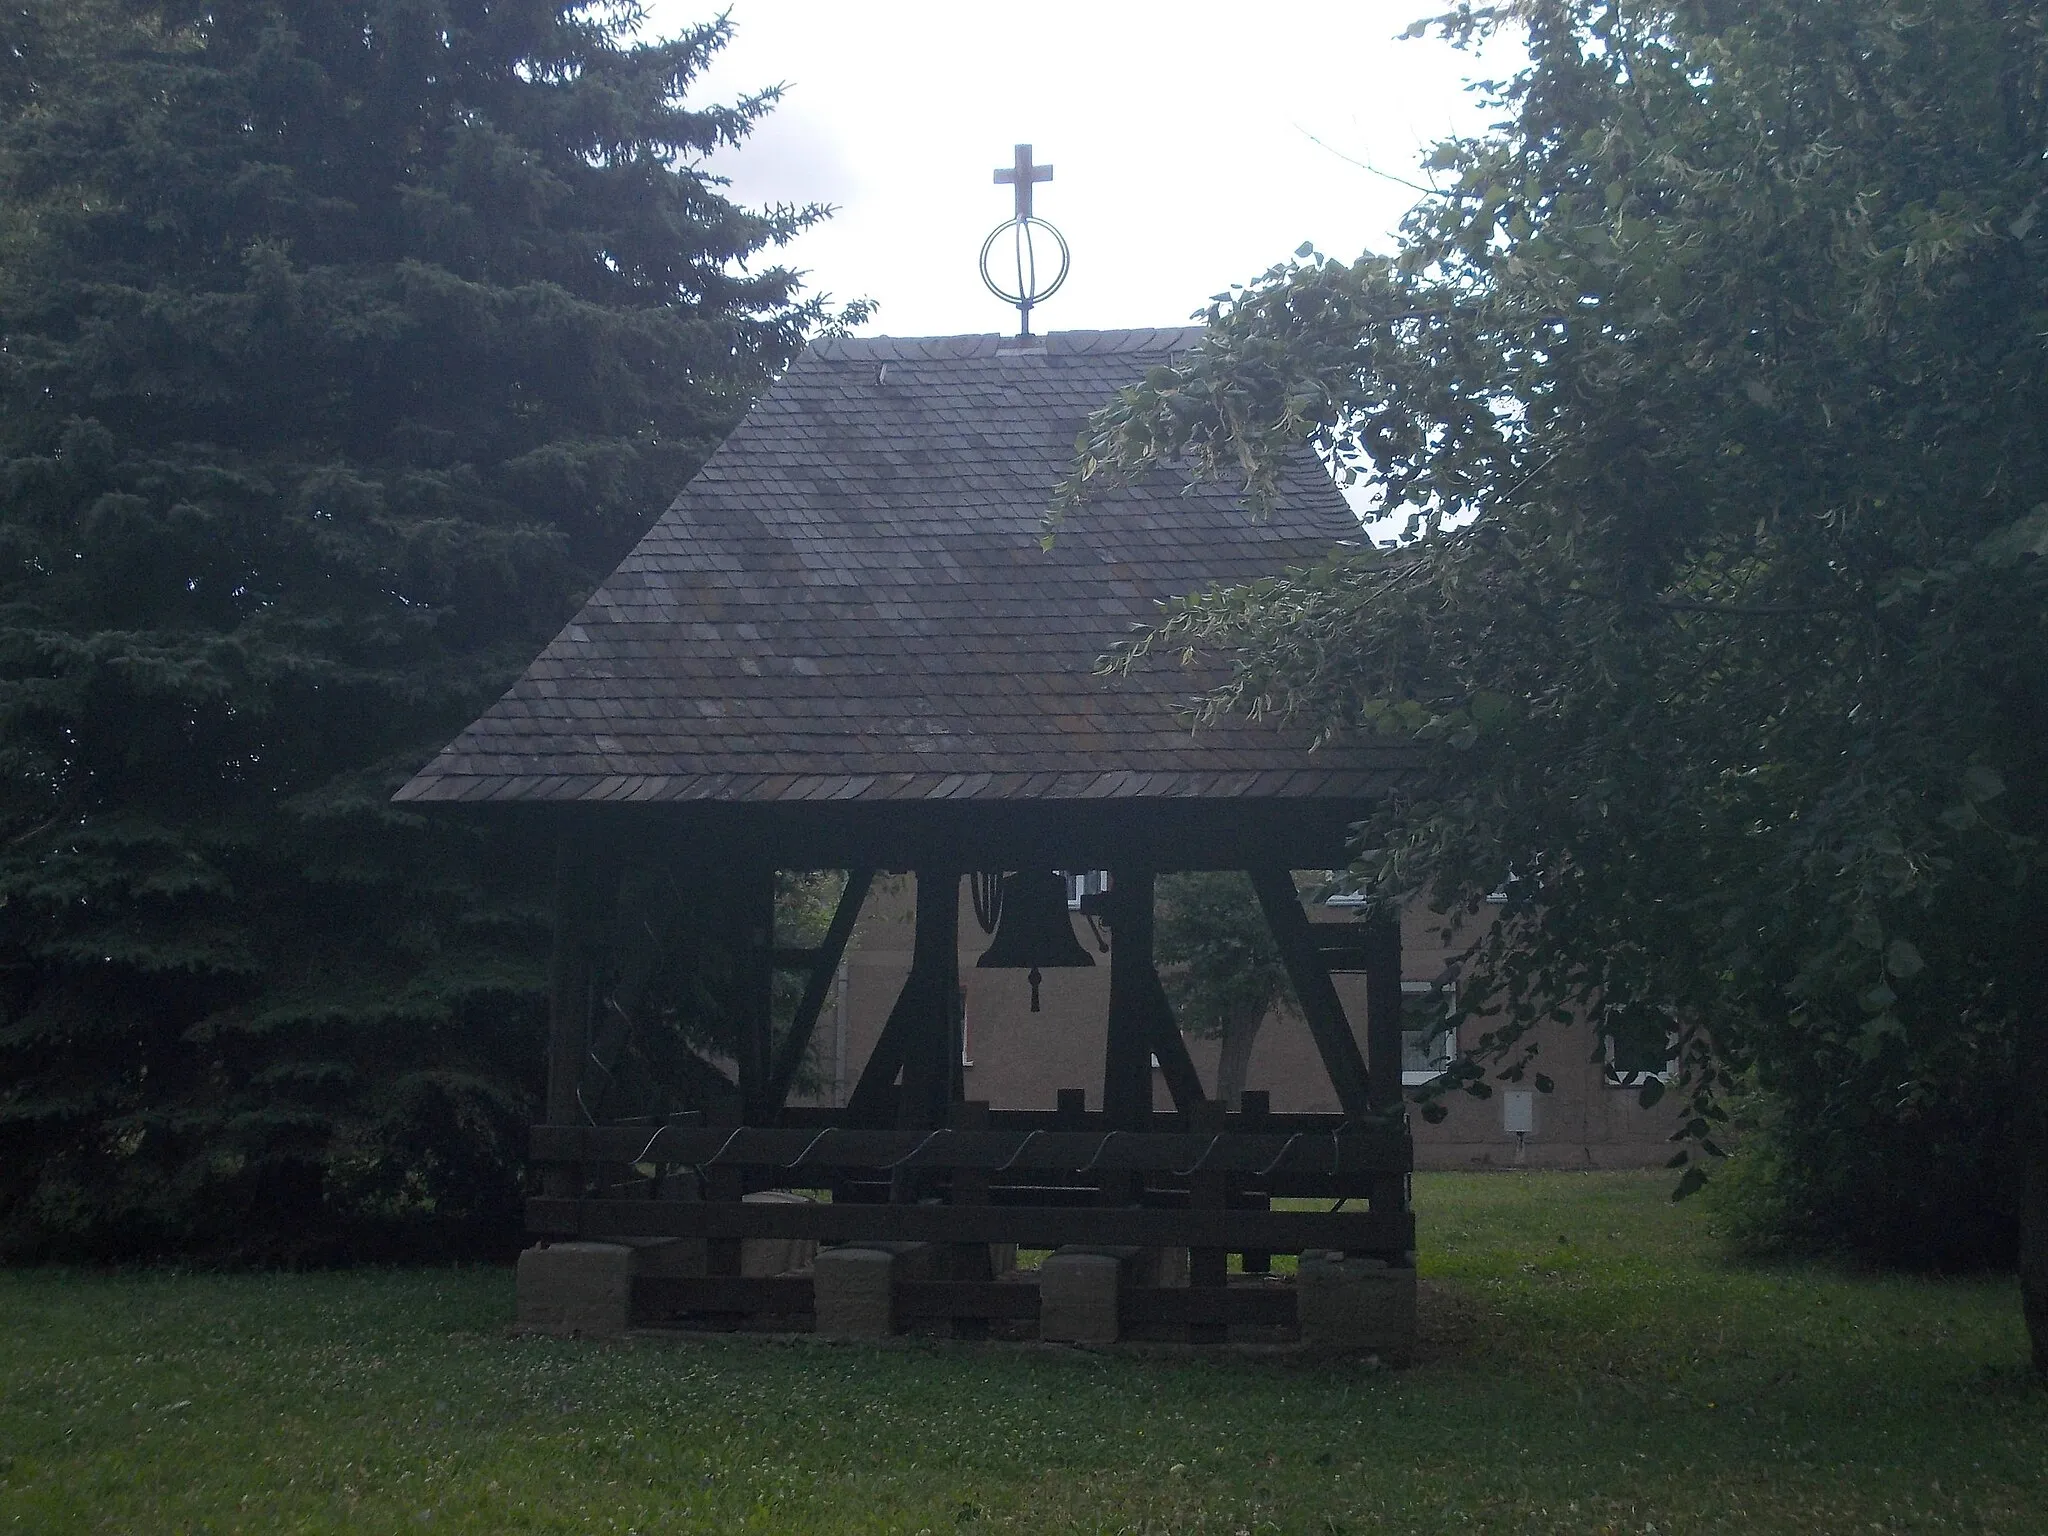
<point>989,343</point>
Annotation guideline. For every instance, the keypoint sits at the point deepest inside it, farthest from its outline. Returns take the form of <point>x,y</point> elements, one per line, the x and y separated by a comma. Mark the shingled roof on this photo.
<point>851,601</point>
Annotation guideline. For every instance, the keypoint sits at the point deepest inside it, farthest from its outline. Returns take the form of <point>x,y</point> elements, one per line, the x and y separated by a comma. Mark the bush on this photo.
<point>1840,1168</point>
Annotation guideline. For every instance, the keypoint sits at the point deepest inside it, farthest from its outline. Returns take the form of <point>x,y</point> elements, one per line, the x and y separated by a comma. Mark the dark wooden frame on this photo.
<point>907,1159</point>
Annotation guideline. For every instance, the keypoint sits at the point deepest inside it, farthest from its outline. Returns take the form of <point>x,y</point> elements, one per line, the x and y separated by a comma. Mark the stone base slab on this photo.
<point>576,1288</point>
<point>855,1286</point>
<point>1349,1303</point>
<point>1078,1290</point>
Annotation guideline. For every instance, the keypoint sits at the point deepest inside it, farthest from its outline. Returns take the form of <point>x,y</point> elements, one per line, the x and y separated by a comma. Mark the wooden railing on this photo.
<point>1043,1185</point>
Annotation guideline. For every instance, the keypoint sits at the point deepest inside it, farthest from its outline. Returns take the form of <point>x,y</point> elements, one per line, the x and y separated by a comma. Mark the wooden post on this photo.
<point>725,1183</point>
<point>582,906</point>
<point>1127,1052</point>
<point>1313,989</point>
<point>1208,1268</point>
<point>931,1052</point>
<point>1383,1008</point>
<point>1383,1012</point>
<point>753,926</point>
<point>1254,1105</point>
<point>970,1186</point>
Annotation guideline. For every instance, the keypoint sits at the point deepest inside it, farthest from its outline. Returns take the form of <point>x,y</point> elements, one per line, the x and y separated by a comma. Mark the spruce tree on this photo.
<point>347,344</point>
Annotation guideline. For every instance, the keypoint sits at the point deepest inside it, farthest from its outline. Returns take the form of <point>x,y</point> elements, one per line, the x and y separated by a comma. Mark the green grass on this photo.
<point>1589,1365</point>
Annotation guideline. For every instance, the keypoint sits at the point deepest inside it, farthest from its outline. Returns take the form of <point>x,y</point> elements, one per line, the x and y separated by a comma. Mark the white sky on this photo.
<point>1182,134</point>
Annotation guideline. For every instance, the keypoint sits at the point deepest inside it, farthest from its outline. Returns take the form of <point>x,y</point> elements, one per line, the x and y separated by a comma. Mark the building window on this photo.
<point>1085,882</point>
<point>1641,1047</point>
<point>1429,1031</point>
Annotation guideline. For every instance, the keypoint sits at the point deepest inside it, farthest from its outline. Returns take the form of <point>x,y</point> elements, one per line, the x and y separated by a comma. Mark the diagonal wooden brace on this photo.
<point>1313,989</point>
<point>824,966</point>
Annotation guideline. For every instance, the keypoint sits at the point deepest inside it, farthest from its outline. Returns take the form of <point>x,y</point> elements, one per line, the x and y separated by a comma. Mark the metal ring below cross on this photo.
<point>1027,293</point>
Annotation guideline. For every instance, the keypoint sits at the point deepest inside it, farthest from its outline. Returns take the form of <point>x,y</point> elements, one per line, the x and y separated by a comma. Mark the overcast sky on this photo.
<point>1183,135</point>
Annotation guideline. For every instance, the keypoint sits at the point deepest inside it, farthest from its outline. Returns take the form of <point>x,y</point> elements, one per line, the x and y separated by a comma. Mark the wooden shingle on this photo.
<point>851,601</point>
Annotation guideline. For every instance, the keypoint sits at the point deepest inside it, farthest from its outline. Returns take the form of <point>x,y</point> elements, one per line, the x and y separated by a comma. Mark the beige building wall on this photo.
<point>1016,1059</point>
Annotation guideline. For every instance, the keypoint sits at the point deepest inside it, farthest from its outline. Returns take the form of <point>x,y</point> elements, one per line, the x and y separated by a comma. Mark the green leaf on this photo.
<point>2025,538</point>
<point>1492,710</point>
<point>1982,783</point>
<point>1902,959</point>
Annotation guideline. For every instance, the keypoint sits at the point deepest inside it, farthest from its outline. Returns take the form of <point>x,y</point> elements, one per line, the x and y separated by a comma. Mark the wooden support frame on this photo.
<point>824,967</point>
<point>1316,993</point>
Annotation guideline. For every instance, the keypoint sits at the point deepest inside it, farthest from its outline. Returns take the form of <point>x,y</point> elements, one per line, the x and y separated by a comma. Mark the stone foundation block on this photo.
<point>1355,1303</point>
<point>576,1288</point>
<point>1078,1290</point>
<point>855,1286</point>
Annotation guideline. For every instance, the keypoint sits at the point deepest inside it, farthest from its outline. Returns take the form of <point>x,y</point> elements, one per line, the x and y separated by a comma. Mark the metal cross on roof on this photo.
<point>1022,175</point>
<point>1023,284</point>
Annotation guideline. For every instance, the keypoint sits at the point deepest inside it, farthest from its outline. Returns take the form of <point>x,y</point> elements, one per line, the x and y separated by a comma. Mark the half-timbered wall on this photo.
<point>1019,1060</point>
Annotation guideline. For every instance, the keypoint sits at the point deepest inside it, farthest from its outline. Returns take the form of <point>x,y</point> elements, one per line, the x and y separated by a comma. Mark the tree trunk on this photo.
<point>1235,1058</point>
<point>2033,1161</point>
<point>2034,1243</point>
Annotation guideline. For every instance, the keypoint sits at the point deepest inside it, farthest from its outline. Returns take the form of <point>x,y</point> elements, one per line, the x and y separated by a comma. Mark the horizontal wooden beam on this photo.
<point>675,1295</point>
<point>1168,832</point>
<point>817,1117</point>
<point>1015,1300</point>
<point>1268,1304</point>
<point>1377,1148</point>
<point>1372,1232</point>
<point>660,1297</point>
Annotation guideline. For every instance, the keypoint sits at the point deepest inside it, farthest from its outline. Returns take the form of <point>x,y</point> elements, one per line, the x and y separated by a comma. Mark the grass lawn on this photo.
<point>1590,1366</point>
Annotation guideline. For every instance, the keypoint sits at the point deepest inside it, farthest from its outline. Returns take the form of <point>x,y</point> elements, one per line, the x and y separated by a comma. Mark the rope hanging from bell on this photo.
<point>986,887</point>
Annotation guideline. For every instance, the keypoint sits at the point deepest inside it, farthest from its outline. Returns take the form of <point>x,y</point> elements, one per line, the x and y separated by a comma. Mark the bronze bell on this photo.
<point>1033,929</point>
